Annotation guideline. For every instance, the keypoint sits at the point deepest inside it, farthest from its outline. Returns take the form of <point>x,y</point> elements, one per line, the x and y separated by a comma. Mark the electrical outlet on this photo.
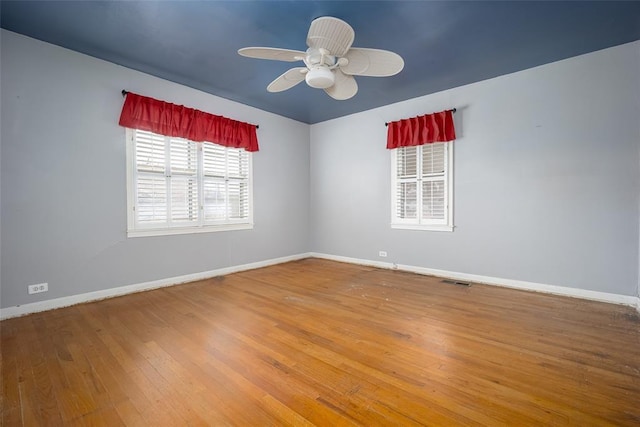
<point>383,254</point>
<point>40,287</point>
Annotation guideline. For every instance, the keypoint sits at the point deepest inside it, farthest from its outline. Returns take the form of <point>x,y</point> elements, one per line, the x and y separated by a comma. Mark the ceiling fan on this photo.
<point>330,61</point>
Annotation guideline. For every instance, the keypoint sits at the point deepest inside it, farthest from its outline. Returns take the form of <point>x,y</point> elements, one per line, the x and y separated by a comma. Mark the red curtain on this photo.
<point>436,127</point>
<point>141,112</point>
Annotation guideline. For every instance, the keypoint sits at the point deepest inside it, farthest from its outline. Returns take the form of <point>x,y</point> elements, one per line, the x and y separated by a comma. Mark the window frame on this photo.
<point>419,223</point>
<point>134,229</point>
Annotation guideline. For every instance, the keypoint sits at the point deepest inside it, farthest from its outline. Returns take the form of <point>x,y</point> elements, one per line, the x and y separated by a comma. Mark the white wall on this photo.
<point>547,178</point>
<point>63,215</point>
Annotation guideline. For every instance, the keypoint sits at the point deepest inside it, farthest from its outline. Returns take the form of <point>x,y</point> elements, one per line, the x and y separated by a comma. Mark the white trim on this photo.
<point>422,227</point>
<point>367,262</point>
<point>141,232</point>
<point>21,310</point>
<point>169,226</point>
<point>496,281</point>
<point>450,186</point>
<point>418,223</point>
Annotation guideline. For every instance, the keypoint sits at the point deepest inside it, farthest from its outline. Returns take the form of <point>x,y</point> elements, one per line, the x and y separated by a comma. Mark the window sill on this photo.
<point>418,227</point>
<point>187,230</point>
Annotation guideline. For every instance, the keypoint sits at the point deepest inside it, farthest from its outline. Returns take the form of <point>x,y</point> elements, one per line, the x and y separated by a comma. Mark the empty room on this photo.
<point>265,213</point>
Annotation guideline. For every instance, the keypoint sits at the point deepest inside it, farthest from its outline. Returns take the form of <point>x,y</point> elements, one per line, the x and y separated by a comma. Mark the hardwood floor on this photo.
<point>324,343</point>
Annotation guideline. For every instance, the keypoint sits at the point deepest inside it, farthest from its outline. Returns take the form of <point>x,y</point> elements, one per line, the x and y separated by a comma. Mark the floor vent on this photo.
<point>455,282</point>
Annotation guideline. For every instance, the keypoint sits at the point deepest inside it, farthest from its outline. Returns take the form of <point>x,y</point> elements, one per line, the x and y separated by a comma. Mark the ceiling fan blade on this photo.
<point>272,53</point>
<point>372,62</point>
<point>287,80</point>
<point>332,34</point>
<point>344,87</point>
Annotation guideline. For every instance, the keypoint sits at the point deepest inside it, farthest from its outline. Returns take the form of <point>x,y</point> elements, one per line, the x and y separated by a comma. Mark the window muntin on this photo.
<point>180,186</point>
<point>421,187</point>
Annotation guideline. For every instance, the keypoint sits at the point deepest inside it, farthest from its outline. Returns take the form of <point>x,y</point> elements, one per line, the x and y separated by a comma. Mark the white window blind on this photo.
<point>421,193</point>
<point>226,184</point>
<point>176,185</point>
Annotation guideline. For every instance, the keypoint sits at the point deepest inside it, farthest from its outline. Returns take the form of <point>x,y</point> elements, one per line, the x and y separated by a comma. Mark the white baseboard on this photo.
<point>497,281</point>
<point>21,310</point>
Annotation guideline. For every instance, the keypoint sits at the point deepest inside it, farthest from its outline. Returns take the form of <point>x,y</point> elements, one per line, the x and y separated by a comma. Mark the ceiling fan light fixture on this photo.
<point>320,78</point>
<point>331,60</point>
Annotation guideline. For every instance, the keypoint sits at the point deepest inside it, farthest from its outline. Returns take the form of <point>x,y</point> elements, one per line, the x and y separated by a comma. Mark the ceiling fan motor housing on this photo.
<point>320,77</point>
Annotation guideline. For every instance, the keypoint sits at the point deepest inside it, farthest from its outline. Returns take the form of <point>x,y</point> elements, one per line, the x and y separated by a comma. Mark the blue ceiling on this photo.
<point>444,43</point>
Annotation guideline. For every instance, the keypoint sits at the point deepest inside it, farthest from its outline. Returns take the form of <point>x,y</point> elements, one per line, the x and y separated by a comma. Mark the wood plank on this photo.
<point>316,342</point>
<point>10,401</point>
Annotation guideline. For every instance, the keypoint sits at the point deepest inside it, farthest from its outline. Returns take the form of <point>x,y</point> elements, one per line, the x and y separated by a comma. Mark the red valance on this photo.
<point>436,127</point>
<point>144,113</point>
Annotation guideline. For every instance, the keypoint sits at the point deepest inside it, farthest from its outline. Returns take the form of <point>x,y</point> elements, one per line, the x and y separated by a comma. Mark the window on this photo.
<point>421,187</point>
<point>179,186</point>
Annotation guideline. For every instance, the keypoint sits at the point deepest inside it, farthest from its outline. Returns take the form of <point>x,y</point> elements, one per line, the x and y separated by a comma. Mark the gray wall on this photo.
<point>63,215</point>
<point>546,178</point>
